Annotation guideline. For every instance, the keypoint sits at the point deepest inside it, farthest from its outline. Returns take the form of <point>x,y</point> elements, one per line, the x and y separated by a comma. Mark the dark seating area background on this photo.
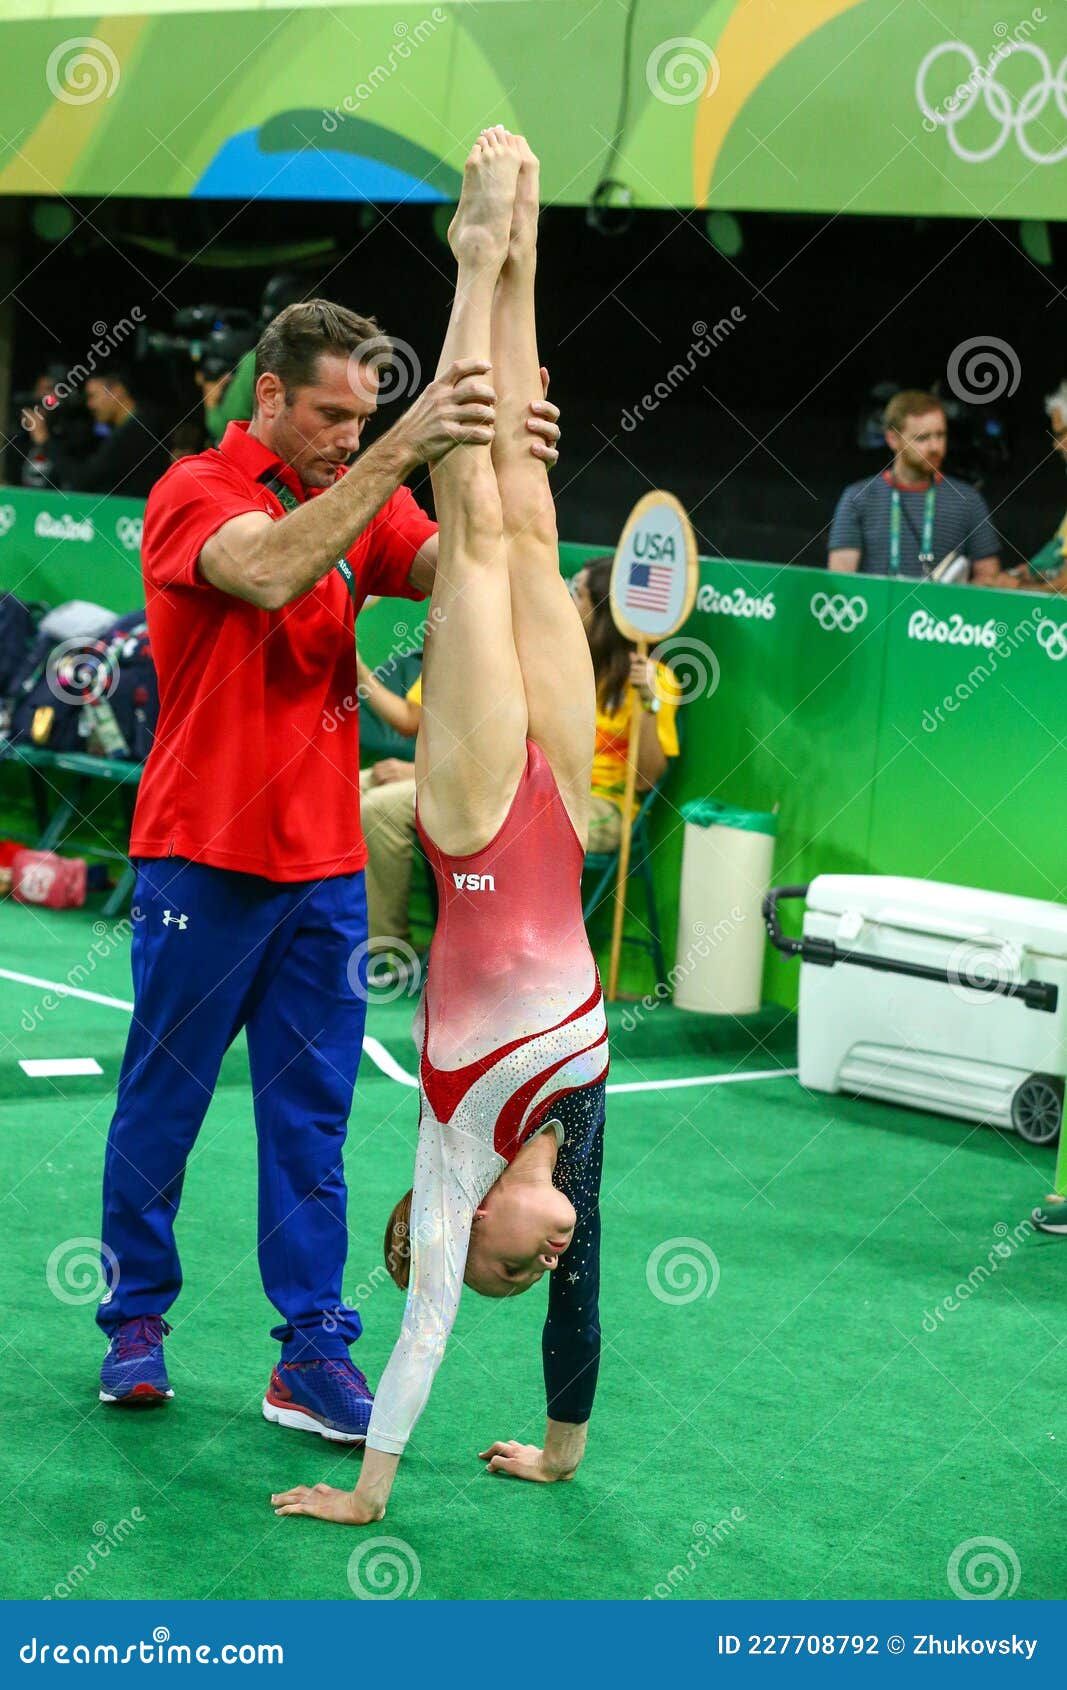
<point>758,441</point>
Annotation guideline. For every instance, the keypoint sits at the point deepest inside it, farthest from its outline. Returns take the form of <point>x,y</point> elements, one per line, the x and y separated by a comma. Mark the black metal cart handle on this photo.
<point>1035,994</point>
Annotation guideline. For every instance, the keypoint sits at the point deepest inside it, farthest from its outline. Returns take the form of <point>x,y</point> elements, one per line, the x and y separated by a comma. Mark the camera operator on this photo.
<point>132,454</point>
<point>70,426</point>
<point>230,396</point>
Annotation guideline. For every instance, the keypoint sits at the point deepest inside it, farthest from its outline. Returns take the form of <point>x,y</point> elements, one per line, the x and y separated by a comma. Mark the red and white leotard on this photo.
<point>510,1022</point>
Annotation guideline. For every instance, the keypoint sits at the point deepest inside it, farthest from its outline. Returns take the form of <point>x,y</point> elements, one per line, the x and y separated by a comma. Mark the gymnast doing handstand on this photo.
<point>511,1029</point>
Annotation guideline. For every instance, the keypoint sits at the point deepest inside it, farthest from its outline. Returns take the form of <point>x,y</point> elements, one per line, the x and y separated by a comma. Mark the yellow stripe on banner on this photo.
<point>756,39</point>
<point>84,74</point>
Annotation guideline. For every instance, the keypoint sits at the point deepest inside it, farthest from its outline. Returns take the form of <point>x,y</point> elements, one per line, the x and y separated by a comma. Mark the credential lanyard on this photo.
<point>289,502</point>
<point>926,553</point>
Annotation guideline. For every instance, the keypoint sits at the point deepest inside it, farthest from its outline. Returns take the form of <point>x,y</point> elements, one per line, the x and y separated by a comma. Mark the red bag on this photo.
<point>40,877</point>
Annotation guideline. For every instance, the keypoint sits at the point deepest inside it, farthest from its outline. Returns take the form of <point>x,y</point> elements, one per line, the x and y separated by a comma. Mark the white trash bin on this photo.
<point>938,997</point>
<point>727,857</point>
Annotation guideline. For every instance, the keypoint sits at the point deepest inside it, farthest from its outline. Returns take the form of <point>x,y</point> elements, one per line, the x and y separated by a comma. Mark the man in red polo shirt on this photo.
<point>250,905</point>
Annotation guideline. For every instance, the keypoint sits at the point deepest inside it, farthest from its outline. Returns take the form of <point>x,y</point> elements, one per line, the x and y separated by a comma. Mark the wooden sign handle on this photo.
<point>629,796</point>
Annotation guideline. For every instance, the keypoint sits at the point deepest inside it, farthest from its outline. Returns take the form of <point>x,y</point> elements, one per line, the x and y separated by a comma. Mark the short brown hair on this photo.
<point>398,1242</point>
<point>913,402</point>
<point>293,342</point>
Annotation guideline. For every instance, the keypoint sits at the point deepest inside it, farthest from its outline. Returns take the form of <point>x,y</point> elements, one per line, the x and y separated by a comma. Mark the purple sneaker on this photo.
<point>134,1369</point>
<point>329,1397</point>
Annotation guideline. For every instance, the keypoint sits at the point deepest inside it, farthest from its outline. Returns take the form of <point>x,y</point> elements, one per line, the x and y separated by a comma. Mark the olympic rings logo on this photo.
<point>1052,638</point>
<point>838,613</point>
<point>980,82</point>
<point>7,518</point>
<point>129,530</point>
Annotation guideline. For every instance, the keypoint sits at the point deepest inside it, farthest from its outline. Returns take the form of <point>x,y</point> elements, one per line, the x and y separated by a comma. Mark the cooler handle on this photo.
<point>914,921</point>
<point>1035,994</point>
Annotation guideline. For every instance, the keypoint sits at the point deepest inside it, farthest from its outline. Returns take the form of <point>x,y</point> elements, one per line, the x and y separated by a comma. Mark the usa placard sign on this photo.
<point>654,576</point>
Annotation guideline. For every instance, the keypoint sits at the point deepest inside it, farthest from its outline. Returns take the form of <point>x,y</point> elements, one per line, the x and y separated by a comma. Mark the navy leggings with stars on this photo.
<point>570,1344</point>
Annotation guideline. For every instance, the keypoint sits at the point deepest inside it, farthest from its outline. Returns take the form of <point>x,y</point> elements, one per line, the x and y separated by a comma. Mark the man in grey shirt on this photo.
<point>907,519</point>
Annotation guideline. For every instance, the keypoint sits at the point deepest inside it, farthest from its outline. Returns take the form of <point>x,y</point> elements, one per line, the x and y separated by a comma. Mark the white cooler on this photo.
<point>937,997</point>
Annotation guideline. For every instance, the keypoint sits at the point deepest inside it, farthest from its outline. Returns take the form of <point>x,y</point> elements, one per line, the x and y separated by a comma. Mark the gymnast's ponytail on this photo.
<point>398,1242</point>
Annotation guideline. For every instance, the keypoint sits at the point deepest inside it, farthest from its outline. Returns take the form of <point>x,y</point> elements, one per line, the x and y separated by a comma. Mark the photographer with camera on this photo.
<point>131,456</point>
<point>70,427</point>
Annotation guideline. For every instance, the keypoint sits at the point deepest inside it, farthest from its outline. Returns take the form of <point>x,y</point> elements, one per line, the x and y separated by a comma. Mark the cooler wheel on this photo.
<point>1037,1108</point>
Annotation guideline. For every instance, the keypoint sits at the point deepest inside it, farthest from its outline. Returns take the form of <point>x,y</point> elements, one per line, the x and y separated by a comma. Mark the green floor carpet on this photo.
<point>811,1428</point>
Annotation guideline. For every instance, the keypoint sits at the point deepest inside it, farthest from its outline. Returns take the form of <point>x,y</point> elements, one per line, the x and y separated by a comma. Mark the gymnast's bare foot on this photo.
<point>522,243</point>
<point>479,232</point>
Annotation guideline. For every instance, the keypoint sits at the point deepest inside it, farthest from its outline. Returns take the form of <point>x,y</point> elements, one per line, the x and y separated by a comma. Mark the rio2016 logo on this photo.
<point>737,603</point>
<point>953,630</point>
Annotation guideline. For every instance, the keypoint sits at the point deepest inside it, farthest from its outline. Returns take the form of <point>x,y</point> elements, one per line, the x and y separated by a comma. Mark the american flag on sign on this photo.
<point>648,587</point>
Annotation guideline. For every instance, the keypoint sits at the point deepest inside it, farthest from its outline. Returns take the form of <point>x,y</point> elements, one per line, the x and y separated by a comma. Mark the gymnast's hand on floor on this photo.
<point>543,424</point>
<point>347,1507</point>
<point>523,1461</point>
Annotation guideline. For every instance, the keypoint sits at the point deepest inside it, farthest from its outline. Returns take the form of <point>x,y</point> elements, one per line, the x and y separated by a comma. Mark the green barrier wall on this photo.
<point>56,546</point>
<point>899,727</point>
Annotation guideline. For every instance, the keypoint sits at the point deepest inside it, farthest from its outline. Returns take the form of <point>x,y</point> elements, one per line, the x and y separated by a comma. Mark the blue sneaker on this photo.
<point>329,1397</point>
<point>134,1369</point>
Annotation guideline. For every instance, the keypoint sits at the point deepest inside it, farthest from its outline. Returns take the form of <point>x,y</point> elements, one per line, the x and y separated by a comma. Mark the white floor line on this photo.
<point>52,1067</point>
<point>388,1065</point>
<point>706,1080</point>
<point>64,991</point>
<point>393,1070</point>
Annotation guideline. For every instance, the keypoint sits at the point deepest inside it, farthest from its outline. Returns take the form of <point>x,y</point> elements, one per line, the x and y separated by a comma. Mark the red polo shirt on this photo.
<point>255,764</point>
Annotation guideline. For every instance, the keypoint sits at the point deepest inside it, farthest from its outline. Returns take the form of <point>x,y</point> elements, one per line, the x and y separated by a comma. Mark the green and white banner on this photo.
<point>887,106</point>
